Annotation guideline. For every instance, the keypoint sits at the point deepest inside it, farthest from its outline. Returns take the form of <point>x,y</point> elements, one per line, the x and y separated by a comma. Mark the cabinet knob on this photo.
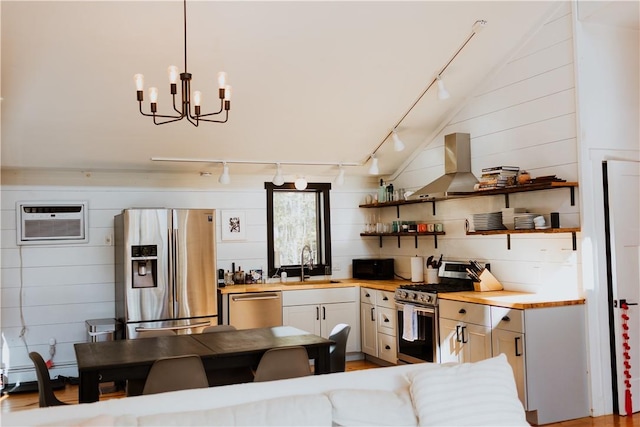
<point>385,299</point>
<point>386,347</point>
<point>462,311</point>
<point>506,319</point>
<point>367,295</point>
<point>386,320</point>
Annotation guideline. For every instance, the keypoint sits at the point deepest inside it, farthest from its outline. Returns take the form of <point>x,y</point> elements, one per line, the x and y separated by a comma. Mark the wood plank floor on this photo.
<point>22,401</point>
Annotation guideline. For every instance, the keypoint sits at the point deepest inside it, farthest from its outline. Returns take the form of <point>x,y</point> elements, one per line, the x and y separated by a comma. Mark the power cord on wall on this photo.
<point>24,329</point>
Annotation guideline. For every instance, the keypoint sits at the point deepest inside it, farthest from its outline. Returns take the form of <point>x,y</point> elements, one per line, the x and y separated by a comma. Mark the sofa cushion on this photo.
<point>372,408</point>
<point>304,410</point>
<point>479,394</point>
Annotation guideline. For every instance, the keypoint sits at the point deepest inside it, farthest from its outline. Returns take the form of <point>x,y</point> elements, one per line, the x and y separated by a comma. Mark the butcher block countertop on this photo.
<point>509,299</point>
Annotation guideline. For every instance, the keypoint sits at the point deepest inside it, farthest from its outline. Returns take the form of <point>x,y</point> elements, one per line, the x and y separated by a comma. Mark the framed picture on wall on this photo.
<point>233,224</point>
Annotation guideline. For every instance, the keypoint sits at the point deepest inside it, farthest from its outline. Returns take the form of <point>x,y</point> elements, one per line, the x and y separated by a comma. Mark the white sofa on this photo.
<point>482,393</point>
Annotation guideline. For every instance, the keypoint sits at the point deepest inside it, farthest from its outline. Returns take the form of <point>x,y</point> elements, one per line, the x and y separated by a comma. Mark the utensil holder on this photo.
<point>487,282</point>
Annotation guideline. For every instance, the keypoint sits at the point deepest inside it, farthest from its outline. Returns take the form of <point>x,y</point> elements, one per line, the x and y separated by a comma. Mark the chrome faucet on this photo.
<point>309,261</point>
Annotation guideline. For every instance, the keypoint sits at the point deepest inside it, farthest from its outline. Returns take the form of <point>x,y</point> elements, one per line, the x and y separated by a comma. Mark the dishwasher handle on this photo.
<point>255,297</point>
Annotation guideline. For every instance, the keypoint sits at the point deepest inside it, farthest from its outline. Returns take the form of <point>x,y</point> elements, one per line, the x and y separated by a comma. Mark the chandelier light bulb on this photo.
<point>442,91</point>
<point>224,176</point>
<point>278,179</point>
<point>153,94</point>
<point>300,183</point>
<point>398,145</point>
<point>173,74</point>
<point>227,93</point>
<point>197,98</point>
<point>139,79</point>
<point>222,79</point>
<point>373,169</point>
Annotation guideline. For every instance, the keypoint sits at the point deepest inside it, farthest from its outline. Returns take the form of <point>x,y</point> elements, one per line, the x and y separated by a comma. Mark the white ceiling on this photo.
<point>312,81</point>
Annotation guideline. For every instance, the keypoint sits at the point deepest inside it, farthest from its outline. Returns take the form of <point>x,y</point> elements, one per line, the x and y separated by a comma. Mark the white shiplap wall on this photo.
<point>64,285</point>
<point>524,116</point>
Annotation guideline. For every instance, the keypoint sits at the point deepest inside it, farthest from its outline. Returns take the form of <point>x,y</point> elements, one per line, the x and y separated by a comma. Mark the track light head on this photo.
<point>224,176</point>
<point>340,176</point>
<point>278,179</point>
<point>398,145</point>
<point>373,169</point>
<point>442,91</point>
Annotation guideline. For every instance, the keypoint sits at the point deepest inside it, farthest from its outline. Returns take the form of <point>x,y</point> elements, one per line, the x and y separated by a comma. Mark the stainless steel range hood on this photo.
<point>457,169</point>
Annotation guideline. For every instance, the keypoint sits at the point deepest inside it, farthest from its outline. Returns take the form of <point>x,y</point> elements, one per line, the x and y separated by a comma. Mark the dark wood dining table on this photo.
<point>122,360</point>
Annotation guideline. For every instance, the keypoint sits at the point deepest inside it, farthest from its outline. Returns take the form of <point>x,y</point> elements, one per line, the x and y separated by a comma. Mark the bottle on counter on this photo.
<point>382,192</point>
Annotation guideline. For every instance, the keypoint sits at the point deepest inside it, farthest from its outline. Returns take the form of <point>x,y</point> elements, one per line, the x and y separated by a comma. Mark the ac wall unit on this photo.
<point>41,223</point>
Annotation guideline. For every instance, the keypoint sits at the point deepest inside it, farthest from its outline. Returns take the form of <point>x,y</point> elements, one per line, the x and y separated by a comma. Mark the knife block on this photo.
<point>487,282</point>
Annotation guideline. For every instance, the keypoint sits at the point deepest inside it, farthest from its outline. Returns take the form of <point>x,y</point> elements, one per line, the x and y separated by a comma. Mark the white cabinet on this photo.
<point>369,330</point>
<point>378,319</point>
<point>319,310</point>
<point>507,337</point>
<point>465,332</point>
<point>547,351</point>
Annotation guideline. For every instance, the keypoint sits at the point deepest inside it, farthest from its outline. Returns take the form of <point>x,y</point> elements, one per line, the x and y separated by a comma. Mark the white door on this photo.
<point>512,345</point>
<point>624,238</point>
<point>477,343</point>
<point>450,341</point>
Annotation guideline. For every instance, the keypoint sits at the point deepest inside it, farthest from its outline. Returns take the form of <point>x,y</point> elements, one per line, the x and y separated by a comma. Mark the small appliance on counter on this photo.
<point>373,269</point>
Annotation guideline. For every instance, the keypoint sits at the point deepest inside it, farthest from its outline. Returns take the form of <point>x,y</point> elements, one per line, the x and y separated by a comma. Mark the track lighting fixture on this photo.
<point>224,176</point>
<point>300,183</point>
<point>442,91</point>
<point>278,179</point>
<point>183,106</point>
<point>340,176</point>
<point>398,145</point>
<point>373,169</point>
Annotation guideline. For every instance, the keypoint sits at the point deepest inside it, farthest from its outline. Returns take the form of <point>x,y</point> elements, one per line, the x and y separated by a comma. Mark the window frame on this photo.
<point>322,191</point>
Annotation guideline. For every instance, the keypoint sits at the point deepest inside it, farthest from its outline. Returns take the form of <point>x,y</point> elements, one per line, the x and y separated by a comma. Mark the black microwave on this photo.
<point>373,269</point>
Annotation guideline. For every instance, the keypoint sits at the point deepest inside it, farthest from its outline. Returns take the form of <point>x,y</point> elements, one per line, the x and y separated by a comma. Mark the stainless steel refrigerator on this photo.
<point>165,270</point>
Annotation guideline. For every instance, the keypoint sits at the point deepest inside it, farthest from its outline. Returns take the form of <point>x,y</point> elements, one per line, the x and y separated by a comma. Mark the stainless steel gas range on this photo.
<point>417,311</point>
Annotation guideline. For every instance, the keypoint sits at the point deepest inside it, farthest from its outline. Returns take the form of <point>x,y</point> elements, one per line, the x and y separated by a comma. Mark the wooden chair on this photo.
<point>176,373</point>
<point>46,396</point>
<point>227,376</point>
<point>337,352</point>
<point>282,363</point>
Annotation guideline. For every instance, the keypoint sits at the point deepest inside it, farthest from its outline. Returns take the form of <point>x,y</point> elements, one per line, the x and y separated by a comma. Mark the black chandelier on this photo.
<point>184,109</point>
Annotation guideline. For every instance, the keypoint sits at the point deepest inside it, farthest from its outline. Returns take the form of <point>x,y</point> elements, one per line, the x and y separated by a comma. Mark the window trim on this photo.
<point>324,260</point>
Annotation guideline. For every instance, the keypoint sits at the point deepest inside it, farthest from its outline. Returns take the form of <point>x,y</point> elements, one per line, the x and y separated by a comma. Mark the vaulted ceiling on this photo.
<point>312,81</point>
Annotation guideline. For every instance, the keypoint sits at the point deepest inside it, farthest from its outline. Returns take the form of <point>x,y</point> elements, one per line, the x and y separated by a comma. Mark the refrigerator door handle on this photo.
<point>173,328</point>
<point>174,270</point>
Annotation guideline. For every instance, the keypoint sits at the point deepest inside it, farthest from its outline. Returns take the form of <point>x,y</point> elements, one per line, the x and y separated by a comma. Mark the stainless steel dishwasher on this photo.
<point>255,310</point>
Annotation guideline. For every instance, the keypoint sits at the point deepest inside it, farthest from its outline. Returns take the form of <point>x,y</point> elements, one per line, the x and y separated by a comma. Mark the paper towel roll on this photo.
<point>417,269</point>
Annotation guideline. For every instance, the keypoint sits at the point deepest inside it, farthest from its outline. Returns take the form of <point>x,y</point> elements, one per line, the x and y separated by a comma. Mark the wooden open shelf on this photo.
<point>572,230</point>
<point>415,235</point>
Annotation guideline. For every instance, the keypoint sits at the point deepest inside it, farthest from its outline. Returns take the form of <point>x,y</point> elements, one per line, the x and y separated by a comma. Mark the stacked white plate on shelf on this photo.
<point>488,221</point>
<point>508,214</point>
<point>524,221</point>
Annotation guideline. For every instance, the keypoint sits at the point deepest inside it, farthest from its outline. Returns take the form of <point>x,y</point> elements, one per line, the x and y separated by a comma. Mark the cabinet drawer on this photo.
<point>385,299</point>
<point>319,296</point>
<point>387,320</point>
<point>508,319</point>
<point>387,348</point>
<point>477,314</point>
<point>368,295</point>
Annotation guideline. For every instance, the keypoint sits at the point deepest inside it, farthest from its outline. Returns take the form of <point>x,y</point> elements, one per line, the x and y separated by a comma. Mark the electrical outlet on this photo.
<point>52,341</point>
<point>108,239</point>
